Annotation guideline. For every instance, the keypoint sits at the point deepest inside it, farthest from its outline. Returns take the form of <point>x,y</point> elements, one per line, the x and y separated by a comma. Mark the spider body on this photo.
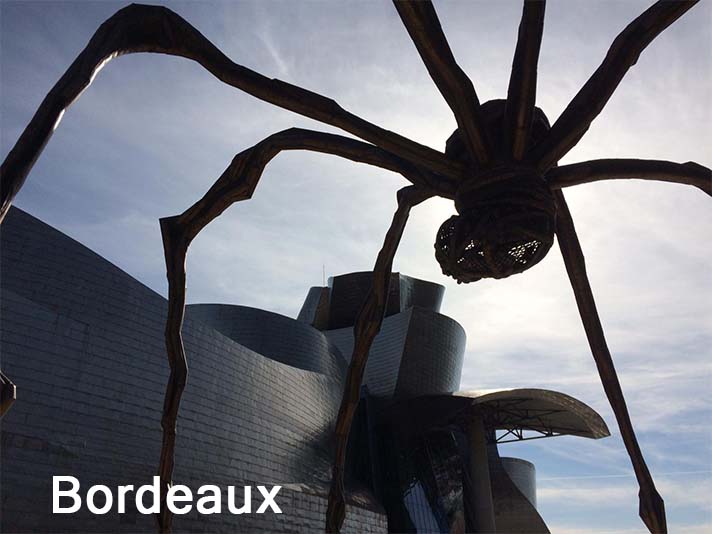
<point>500,168</point>
<point>494,114</point>
<point>501,229</point>
<point>506,211</point>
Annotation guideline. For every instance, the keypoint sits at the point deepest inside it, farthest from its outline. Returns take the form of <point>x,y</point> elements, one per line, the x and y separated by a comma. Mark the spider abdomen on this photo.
<point>501,229</point>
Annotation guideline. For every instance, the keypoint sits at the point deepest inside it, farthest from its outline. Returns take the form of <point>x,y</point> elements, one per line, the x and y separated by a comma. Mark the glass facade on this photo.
<point>421,480</point>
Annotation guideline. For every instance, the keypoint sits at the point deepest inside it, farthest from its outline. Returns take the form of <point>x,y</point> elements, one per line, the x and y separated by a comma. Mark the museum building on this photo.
<point>84,344</point>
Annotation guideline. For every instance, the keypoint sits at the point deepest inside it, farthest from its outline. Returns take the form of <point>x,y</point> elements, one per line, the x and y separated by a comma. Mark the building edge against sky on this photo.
<point>83,341</point>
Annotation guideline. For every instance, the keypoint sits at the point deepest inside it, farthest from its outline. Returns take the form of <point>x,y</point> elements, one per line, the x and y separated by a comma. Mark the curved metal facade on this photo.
<point>417,352</point>
<point>83,341</point>
<point>523,475</point>
<point>348,291</point>
<point>274,336</point>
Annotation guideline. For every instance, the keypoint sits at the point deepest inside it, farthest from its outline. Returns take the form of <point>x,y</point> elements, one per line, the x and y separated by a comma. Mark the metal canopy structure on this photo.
<point>544,412</point>
<point>524,413</point>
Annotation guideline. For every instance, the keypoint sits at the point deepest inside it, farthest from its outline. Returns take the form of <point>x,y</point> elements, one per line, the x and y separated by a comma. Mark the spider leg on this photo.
<point>8,393</point>
<point>421,21</point>
<point>593,96</point>
<point>237,183</point>
<point>140,28</point>
<point>368,324</point>
<point>689,173</point>
<point>521,95</point>
<point>652,507</point>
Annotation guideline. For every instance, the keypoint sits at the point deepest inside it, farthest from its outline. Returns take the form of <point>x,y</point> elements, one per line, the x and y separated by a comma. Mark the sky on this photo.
<point>152,133</point>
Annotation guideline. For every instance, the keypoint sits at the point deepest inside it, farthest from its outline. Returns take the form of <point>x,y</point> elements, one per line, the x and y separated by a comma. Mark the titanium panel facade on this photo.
<point>523,474</point>
<point>417,352</point>
<point>274,336</point>
<point>83,341</point>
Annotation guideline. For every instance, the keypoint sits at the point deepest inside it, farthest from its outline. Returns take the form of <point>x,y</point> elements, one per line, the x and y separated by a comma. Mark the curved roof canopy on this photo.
<point>519,414</point>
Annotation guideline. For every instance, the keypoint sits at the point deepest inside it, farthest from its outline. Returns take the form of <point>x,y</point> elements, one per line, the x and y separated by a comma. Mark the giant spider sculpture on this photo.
<point>499,167</point>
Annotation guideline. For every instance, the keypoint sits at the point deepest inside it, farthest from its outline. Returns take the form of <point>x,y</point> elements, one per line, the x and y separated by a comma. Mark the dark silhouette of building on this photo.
<point>83,342</point>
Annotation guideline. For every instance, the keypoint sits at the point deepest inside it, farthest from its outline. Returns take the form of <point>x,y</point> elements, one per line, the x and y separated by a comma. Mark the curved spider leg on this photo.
<point>521,94</point>
<point>238,183</point>
<point>421,21</point>
<point>652,507</point>
<point>367,325</point>
<point>8,393</point>
<point>575,120</point>
<point>689,173</point>
<point>140,28</point>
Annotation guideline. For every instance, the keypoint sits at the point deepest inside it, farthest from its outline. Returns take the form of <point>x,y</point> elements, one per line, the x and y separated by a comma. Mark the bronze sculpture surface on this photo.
<point>499,168</point>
